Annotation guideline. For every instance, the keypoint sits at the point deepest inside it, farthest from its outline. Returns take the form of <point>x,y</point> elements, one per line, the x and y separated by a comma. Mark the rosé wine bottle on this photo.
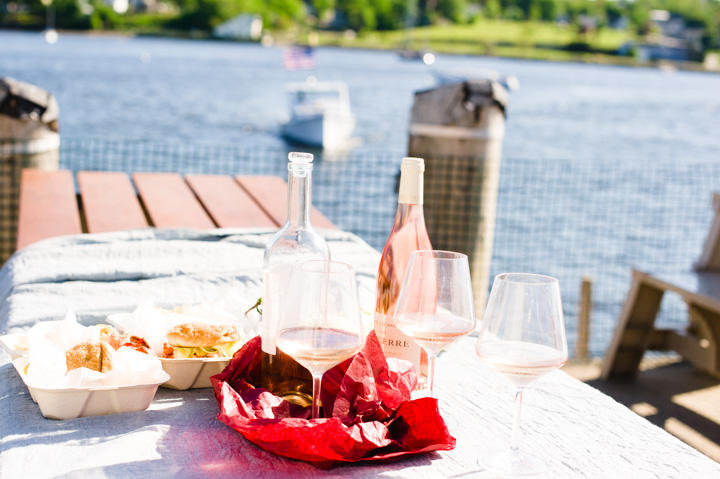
<point>408,234</point>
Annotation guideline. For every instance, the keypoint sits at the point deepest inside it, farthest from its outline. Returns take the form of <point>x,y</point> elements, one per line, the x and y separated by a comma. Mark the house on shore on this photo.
<point>246,26</point>
<point>673,40</point>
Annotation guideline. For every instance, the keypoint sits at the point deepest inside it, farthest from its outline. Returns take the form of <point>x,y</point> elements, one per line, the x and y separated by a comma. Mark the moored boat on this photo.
<point>320,114</point>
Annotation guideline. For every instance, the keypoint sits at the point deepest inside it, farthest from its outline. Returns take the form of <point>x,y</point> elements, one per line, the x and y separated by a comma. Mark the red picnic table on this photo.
<point>108,201</point>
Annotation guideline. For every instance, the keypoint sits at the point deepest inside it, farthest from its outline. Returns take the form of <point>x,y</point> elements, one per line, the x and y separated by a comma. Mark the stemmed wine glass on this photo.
<point>320,324</point>
<point>435,306</point>
<point>522,336</point>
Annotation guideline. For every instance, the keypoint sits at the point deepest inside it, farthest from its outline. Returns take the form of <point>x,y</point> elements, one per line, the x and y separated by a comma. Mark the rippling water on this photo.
<point>191,91</point>
<point>603,168</point>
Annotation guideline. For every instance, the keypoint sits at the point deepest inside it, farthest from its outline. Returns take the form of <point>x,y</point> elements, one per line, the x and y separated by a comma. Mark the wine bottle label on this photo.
<point>395,343</point>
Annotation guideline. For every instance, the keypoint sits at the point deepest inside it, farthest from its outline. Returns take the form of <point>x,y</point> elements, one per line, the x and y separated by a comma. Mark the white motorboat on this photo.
<point>320,114</point>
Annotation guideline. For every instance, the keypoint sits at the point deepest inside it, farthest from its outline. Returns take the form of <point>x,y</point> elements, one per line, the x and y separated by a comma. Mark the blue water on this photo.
<point>604,168</point>
<point>192,90</point>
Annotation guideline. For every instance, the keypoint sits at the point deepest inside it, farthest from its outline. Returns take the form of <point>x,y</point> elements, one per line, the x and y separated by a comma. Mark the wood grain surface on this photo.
<point>48,206</point>
<point>109,201</point>
<point>170,202</point>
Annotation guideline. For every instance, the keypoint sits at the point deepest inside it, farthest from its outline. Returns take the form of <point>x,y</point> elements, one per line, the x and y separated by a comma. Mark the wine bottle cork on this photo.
<point>411,181</point>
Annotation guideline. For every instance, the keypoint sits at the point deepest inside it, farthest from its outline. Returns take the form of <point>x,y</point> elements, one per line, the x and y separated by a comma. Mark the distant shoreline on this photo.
<point>284,39</point>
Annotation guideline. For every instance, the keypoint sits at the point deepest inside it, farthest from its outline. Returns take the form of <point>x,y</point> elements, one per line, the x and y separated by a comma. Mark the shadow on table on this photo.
<point>226,453</point>
<point>676,397</point>
<point>190,442</point>
<point>27,426</point>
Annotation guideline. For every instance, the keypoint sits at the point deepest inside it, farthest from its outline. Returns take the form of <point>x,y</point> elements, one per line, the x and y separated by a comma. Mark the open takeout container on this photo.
<point>70,403</point>
<point>191,373</point>
<point>16,345</point>
<point>183,373</point>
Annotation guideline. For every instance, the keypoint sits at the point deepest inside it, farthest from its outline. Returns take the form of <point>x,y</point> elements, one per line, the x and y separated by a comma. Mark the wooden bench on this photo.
<point>699,288</point>
<point>50,205</point>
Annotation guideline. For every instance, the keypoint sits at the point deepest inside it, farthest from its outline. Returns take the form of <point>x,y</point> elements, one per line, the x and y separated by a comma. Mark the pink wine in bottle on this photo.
<point>408,234</point>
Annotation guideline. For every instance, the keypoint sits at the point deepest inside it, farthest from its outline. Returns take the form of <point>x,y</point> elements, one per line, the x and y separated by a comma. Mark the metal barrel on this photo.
<point>28,139</point>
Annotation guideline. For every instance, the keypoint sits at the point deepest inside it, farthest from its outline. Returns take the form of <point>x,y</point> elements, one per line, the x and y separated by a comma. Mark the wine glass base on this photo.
<point>298,398</point>
<point>507,464</point>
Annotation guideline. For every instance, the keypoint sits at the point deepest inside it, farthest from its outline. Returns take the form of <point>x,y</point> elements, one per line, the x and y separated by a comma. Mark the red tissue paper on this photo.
<point>371,414</point>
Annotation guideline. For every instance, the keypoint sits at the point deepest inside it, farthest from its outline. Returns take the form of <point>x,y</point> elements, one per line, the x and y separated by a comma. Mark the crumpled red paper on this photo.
<point>371,414</point>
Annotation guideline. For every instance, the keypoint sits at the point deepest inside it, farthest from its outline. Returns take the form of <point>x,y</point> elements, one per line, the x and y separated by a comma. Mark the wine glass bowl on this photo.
<point>522,337</point>
<point>435,306</point>
<point>320,324</point>
<point>522,334</point>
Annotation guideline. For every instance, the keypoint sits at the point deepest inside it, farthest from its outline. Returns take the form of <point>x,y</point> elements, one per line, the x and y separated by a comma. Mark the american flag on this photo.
<point>299,58</point>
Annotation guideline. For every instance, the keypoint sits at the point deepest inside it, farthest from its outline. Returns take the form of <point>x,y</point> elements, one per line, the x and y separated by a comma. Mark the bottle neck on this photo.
<point>409,213</point>
<point>411,186</point>
<point>299,201</point>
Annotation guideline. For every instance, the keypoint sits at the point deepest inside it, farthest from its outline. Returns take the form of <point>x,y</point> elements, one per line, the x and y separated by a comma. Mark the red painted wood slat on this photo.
<point>170,202</point>
<point>109,201</point>
<point>227,202</point>
<point>48,206</point>
<point>270,192</point>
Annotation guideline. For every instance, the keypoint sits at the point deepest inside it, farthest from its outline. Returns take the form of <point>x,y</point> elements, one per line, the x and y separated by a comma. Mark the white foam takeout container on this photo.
<point>16,345</point>
<point>191,373</point>
<point>70,403</point>
<point>184,373</point>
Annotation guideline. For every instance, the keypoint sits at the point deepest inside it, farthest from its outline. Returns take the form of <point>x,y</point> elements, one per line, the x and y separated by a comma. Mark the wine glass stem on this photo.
<point>431,374</point>
<point>516,434</point>
<point>317,380</point>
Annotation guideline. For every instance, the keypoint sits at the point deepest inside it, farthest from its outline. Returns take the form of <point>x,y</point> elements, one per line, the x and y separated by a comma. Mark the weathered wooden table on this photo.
<point>576,429</point>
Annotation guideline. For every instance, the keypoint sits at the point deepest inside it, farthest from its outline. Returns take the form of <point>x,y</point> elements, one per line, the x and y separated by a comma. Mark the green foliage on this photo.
<point>69,16</point>
<point>640,17</point>
<point>377,14</point>
<point>359,14</point>
<point>492,9</point>
<point>387,15</point>
<point>513,12</point>
<point>103,16</point>
<point>453,10</point>
<point>323,7</point>
<point>534,13</point>
<point>281,13</point>
<point>207,14</point>
<point>550,10</point>
<point>613,12</point>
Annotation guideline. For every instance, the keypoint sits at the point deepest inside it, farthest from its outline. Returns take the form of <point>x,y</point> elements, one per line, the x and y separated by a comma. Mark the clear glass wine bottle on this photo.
<point>294,243</point>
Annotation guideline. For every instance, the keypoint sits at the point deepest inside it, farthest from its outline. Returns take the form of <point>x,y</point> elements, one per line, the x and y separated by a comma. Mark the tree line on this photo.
<point>368,15</point>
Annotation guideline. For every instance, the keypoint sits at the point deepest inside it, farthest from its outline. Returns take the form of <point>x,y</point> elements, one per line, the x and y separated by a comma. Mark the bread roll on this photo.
<point>95,356</point>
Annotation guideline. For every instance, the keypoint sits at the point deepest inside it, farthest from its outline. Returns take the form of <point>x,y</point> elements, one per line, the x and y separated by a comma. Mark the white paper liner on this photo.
<point>48,341</point>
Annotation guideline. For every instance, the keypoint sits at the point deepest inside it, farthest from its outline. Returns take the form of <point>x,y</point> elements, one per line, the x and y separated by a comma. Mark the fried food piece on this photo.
<point>138,344</point>
<point>95,356</point>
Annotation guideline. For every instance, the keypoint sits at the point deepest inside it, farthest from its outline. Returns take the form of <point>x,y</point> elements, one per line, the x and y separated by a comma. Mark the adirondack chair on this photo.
<point>699,288</point>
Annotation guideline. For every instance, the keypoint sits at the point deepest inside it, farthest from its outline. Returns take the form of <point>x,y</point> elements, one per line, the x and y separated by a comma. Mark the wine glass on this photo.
<point>320,324</point>
<point>435,306</point>
<point>522,336</point>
